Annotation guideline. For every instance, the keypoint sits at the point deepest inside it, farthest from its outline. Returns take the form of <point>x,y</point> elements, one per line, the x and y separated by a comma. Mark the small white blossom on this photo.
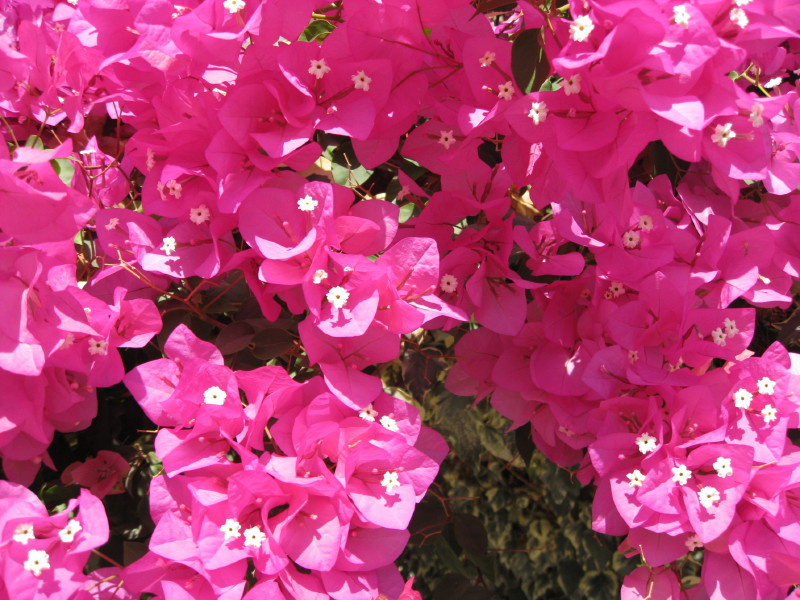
<point>757,114</point>
<point>636,478</point>
<point>633,356</point>
<point>708,496</point>
<point>168,245</point>
<point>646,223</point>
<point>361,81</point>
<point>646,443</point>
<point>742,399</point>
<point>174,188</point>
<point>446,139</point>
<point>98,347</point>
<point>723,134</point>
<point>742,2</point>
<point>739,18</point>
<point>215,395</point>
<point>775,81</point>
<point>631,239</point>
<point>730,327</point>
<point>319,276</point>
<point>718,336</point>
<point>318,68</point>
<point>69,532</point>
<point>680,15</point>
<point>23,533</point>
<point>369,414</point>
<point>766,386</point>
<point>723,467</point>
<point>448,283</point>
<point>254,537</point>
<point>233,6</point>
<point>112,224</point>
<point>693,542</point>
<point>770,413</point>
<point>538,112</point>
<point>390,481</point>
<point>338,296</point>
<point>389,423</point>
<point>580,28</point>
<point>73,2</point>
<point>307,203</point>
<point>199,215</point>
<point>38,561</point>
<point>231,529</point>
<point>572,85</point>
<point>681,474</point>
<point>487,59</point>
<point>616,289</point>
<point>505,90</point>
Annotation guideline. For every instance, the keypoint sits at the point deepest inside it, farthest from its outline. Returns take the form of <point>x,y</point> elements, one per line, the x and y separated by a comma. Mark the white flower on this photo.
<point>636,478</point>
<point>681,474</point>
<point>98,347</point>
<point>646,223</point>
<point>775,81</point>
<point>338,296</point>
<point>233,6</point>
<point>770,413</point>
<point>730,327</point>
<point>307,203</point>
<point>646,443</point>
<point>199,215</point>
<point>361,81</point>
<point>739,18</point>
<point>254,537</point>
<point>175,188</point>
<point>112,224</point>
<point>446,139</point>
<point>742,399</point>
<point>723,134</point>
<point>616,289</point>
<point>319,276</point>
<point>708,496</point>
<point>67,534</point>
<point>369,414</point>
<point>390,481</point>
<point>487,59</point>
<point>73,2</point>
<point>538,112</point>
<point>723,467</point>
<point>318,68</point>
<point>718,336</point>
<point>23,533</point>
<point>757,114</point>
<point>505,91</point>
<point>168,245</point>
<point>389,423</point>
<point>448,283</point>
<point>215,395</point>
<point>38,561</point>
<point>693,542</point>
<point>766,386</point>
<point>680,15</point>
<point>631,239</point>
<point>742,2</point>
<point>633,356</point>
<point>572,85</point>
<point>580,28</point>
<point>231,529</point>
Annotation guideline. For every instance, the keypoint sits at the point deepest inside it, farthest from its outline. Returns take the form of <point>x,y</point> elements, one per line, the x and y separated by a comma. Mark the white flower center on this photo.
<point>631,239</point>
<point>23,533</point>
<point>739,18</point>
<point>307,203</point>
<point>742,399</point>
<point>580,28</point>
<point>98,347</point>
<point>538,112</point>
<point>681,474</point>
<point>254,537</point>
<point>319,68</point>
<point>708,496</point>
<point>572,85</point>
<point>723,467</point>
<point>487,59</point>
<point>770,413</point>
<point>766,386</point>
<point>446,139</point>
<point>448,283</point>
<point>338,296</point>
<point>215,395</point>
<point>646,443</point>
<point>231,529</point>
<point>636,478</point>
<point>680,15</point>
<point>361,81</point>
<point>505,91</point>
<point>169,245</point>
<point>389,423</point>
<point>233,6</point>
<point>67,534</point>
<point>723,134</point>
<point>38,561</point>
<point>319,276</point>
<point>390,481</point>
<point>199,215</point>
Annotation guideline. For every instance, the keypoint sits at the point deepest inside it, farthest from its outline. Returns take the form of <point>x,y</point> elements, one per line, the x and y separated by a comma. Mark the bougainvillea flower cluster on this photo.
<point>602,194</point>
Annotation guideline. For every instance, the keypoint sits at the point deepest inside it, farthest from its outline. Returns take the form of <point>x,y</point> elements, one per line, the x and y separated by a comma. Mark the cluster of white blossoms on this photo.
<point>743,399</point>
<point>253,536</point>
<point>721,334</point>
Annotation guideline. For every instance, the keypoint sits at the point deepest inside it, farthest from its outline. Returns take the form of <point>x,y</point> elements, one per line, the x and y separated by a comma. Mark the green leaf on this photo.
<point>317,30</point>
<point>64,169</point>
<point>34,142</point>
<point>346,169</point>
<point>529,65</point>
